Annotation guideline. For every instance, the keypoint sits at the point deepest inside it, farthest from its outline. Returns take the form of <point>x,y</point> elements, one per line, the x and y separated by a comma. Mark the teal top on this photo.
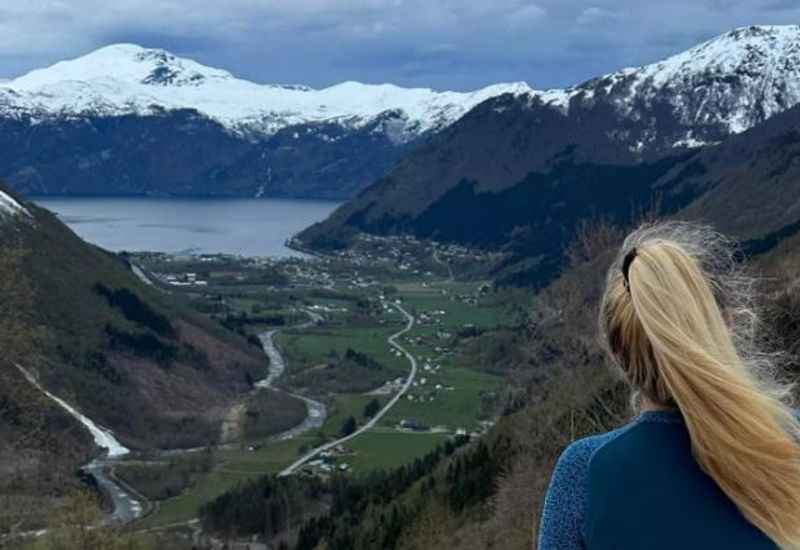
<point>640,487</point>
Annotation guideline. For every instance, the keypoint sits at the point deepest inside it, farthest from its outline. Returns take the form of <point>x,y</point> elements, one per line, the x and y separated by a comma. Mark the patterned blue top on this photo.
<point>639,487</point>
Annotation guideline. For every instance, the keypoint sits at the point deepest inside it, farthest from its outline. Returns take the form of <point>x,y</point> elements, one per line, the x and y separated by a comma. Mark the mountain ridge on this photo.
<point>123,79</point>
<point>555,161</point>
<point>770,49</point>
<point>126,120</point>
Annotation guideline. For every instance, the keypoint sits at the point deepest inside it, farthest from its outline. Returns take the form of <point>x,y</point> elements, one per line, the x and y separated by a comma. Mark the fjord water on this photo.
<point>248,227</point>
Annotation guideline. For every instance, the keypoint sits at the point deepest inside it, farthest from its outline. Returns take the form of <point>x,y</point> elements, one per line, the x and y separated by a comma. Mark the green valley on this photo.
<point>343,360</point>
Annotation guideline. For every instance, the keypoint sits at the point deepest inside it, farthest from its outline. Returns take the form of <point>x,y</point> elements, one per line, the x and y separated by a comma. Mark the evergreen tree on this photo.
<point>372,408</point>
<point>349,426</point>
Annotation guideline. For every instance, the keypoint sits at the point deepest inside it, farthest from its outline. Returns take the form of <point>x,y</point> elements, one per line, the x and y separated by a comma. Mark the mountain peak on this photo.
<point>758,46</point>
<point>761,31</point>
<point>123,62</point>
<point>130,79</point>
<point>731,82</point>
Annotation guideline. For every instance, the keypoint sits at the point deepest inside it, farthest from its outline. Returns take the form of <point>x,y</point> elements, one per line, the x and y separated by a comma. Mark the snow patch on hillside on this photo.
<point>102,437</point>
<point>10,207</point>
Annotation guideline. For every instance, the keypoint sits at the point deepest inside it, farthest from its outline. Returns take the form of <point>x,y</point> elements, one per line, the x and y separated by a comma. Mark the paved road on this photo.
<point>375,419</point>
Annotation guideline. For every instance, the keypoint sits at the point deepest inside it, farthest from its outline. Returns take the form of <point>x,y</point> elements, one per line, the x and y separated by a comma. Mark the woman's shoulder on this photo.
<point>579,453</point>
<point>562,521</point>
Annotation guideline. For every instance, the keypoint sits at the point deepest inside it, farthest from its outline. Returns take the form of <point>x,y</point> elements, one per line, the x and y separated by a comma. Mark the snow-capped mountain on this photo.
<point>731,82</point>
<point>124,79</point>
<point>130,120</point>
<point>720,87</point>
<point>738,79</point>
<point>523,168</point>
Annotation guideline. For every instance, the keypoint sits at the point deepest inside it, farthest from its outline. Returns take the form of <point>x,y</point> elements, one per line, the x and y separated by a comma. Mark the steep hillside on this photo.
<point>522,166</point>
<point>127,356</point>
<point>130,120</point>
<point>40,445</point>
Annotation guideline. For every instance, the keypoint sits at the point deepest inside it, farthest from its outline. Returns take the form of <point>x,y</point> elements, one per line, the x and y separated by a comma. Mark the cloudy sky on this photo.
<point>445,44</point>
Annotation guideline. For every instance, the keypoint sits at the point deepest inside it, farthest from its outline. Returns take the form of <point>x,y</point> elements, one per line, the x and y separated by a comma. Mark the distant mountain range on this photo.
<point>130,120</point>
<point>126,120</point>
<point>710,132</point>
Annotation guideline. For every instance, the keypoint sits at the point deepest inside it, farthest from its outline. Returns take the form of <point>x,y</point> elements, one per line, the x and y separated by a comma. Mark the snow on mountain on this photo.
<point>732,82</point>
<point>126,78</point>
<point>10,207</point>
<point>333,142</point>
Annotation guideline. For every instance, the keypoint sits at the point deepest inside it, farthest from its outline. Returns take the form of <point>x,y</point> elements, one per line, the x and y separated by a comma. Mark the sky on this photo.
<point>441,44</point>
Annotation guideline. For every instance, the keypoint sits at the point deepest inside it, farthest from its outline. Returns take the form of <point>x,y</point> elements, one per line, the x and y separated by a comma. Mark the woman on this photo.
<point>712,460</point>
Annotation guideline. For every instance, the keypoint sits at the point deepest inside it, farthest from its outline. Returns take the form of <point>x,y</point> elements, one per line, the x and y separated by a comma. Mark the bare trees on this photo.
<point>78,525</point>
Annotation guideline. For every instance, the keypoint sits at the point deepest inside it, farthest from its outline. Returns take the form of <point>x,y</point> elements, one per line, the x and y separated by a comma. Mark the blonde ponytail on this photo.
<point>682,325</point>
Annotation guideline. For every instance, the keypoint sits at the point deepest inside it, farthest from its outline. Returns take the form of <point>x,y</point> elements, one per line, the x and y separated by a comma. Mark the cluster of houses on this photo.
<point>306,274</point>
<point>407,253</point>
<point>328,309</point>
<point>183,279</point>
<point>425,390</point>
<point>413,425</point>
<point>329,461</point>
<point>431,317</point>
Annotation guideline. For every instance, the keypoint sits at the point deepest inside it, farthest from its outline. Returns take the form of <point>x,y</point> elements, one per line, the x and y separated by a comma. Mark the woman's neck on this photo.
<point>648,404</point>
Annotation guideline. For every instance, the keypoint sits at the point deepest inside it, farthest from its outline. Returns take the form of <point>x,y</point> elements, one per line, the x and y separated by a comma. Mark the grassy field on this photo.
<point>184,507</point>
<point>377,449</point>
<point>451,297</point>
<point>315,346</point>
<point>239,465</point>
<point>234,467</point>
<point>456,408</point>
<point>343,407</point>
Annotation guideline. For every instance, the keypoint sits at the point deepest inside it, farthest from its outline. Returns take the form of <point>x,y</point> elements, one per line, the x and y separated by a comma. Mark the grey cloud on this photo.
<point>781,5</point>
<point>595,14</point>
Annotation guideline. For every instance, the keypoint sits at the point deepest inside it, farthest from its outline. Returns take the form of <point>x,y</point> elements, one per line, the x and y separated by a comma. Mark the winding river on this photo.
<point>316,411</point>
<point>126,507</point>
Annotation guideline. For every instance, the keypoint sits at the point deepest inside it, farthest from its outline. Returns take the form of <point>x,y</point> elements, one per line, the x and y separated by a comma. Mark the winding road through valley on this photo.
<point>392,340</point>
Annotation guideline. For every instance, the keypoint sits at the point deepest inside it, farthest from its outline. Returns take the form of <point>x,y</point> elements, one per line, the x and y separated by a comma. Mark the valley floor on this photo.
<point>386,357</point>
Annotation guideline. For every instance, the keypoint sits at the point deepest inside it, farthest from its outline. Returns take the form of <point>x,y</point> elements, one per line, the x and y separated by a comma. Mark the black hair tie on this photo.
<point>626,266</point>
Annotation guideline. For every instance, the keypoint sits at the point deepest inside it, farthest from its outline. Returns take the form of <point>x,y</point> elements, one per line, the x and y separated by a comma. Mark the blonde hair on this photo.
<point>683,328</point>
